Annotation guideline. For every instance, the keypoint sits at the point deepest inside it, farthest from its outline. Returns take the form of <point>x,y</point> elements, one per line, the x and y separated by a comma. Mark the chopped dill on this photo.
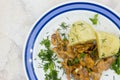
<point>103,40</point>
<point>94,20</point>
<point>48,58</point>
<point>116,64</point>
<point>82,55</point>
<point>63,25</point>
<point>75,60</point>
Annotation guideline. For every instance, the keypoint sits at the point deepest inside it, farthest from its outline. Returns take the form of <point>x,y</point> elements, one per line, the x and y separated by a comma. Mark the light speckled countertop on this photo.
<point>16,19</point>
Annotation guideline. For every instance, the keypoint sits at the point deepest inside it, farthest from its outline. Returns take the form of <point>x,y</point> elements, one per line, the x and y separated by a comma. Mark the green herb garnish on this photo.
<point>46,55</point>
<point>64,25</point>
<point>72,40</point>
<point>58,61</point>
<point>73,25</point>
<point>81,24</point>
<point>94,20</point>
<point>69,63</point>
<point>45,42</point>
<point>48,59</point>
<point>52,75</point>
<point>94,51</point>
<point>64,37</point>
<point>75,60</point>
<point>82,55</point>
<point>116,64</point>
<point>103,40</point>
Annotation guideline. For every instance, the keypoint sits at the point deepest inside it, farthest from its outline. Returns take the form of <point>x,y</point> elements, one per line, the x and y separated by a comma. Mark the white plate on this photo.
<point>69,13</point>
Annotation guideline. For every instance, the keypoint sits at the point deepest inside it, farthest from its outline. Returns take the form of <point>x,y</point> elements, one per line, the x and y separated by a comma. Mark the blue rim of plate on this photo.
<point>88,6</point>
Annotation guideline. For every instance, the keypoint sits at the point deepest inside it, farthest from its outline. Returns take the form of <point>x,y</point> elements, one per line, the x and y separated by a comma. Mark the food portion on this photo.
<point>81,32</point>
<point>108,44</point>
<point>83,51</point>
<point>84,54</point>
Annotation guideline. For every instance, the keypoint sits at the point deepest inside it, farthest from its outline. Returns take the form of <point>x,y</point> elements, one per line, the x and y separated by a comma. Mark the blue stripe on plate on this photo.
<point>52,14</point>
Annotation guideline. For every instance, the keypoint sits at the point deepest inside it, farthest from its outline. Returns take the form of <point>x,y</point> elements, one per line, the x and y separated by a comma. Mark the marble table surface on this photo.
<point>16,19</point>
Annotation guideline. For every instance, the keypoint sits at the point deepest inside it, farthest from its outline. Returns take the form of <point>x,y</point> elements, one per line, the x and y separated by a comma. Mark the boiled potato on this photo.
<point>108,44</point>
<point>81,32</point>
